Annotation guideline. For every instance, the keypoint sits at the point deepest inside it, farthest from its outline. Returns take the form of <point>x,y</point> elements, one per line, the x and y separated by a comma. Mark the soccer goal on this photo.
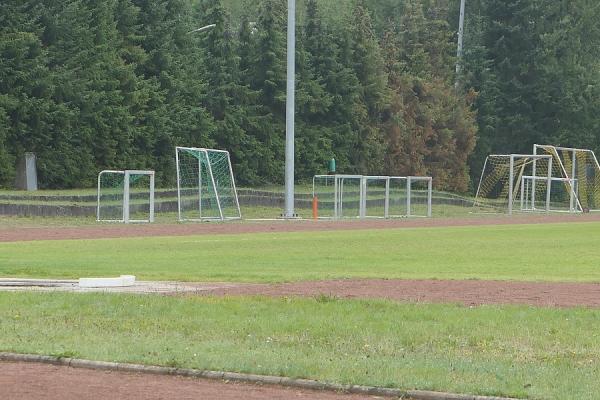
<point>522,182</point>
<point>579,172</point>
<point>205,185</point>
<point>125,196</point>
<point>358,196</point>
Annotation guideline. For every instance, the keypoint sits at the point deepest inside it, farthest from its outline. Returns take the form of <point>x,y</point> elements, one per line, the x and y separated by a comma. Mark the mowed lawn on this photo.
<point>551,252</point>
<point>539,353</point>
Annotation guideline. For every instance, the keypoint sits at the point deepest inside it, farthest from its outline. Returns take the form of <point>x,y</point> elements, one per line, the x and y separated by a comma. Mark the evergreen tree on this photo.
<point>267,76</point>
<point>27,111</point>
<point>329,62</point>
<point>368,66</point>
<point>175,66</point>
<point>430,129</point>
<point>231,100</point>
<point>313,133</point>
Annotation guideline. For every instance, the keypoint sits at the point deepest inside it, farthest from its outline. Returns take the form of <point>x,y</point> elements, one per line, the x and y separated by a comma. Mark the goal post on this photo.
<point>502,183</point>
<point>205,185</point>
<point>125,196</point>
<point>360,196</point>
<point>580,171</point>
<point>529,185</point>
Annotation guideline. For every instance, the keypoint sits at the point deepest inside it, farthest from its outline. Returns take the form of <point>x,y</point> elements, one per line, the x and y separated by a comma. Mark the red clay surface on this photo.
<point>471,292</point>
<point>116,231</point>
<point>30,381</point>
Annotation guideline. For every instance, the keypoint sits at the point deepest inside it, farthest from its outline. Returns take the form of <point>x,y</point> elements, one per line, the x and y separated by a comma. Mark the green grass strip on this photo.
<point>550,252</point>
<point>510,351</point>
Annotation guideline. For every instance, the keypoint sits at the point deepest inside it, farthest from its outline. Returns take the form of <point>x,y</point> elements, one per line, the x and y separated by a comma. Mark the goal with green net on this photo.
<point>205,185</point>
<point>125,196</point>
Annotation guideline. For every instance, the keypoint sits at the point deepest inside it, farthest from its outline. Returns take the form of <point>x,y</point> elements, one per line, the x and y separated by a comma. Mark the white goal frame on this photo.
<point>511,178</point>
<point>127,196</point>
<point>569,176</point>
<point>363,211</point>
<point>222,216</point>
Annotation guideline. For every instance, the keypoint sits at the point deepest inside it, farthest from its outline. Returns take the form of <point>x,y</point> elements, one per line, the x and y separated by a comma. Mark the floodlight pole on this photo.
<point>459,51</point>
<point>290,107</point>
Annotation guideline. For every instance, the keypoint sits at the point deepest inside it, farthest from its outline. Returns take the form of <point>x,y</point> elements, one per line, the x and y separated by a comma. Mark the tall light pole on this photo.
<point>459,51</point>
<point>289,114</point>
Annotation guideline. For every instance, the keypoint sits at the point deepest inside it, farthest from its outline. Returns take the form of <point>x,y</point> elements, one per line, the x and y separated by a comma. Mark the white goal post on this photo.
<point>206,188</point>
<point>505,177</point>
<point>580,172</point>
<point>125,196</point>
<point>360,196</point>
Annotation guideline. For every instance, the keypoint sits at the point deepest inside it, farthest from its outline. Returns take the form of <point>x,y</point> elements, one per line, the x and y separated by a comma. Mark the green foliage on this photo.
<point>90,85</point>
<point>430,127</point>
<point>535,66</point>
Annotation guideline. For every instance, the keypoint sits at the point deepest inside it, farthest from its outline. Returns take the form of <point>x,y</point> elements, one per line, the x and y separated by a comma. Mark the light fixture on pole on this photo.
<point>204,28</point>
<point>290,108</point>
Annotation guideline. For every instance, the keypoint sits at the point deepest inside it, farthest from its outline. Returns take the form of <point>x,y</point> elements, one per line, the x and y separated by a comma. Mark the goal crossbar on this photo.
<point>516,168</point>
<point>339,193</point>
<point>586,172</point>
<point>127,175</point>
<point>220,189</point>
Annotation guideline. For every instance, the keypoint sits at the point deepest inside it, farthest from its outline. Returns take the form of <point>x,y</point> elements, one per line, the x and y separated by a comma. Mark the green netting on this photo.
<point>375,196</point>
<point>398,196</point>
<point>324,191</point>
<point>110,196</point>
<point>206,186</point>
<point>419,197</point>
<point>349,197</point>
<point>139,197</point>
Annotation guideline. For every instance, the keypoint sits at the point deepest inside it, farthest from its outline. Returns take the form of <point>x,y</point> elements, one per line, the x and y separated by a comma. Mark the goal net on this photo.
<point>125,196</point>
<point>205,185</point>
<point>358,196</point>
<point>521,182</point>
<point>579,168</point>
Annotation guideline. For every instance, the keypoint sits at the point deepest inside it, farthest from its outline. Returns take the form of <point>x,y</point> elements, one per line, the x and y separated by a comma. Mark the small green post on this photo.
<point>332,166</point>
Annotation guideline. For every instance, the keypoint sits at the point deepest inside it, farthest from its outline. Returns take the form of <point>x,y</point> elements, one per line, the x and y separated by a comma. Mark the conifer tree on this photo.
<point>368,66</point>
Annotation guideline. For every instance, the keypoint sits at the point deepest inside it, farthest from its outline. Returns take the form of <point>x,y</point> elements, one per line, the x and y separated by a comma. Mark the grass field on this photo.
<point>557,252</point>
<point>511,351</point>
<point>519,351</point>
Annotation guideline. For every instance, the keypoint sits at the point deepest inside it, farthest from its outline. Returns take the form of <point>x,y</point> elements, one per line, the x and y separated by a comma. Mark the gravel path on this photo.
<point>30,381</point>
<point>469,292</point>
<point>12,234</point>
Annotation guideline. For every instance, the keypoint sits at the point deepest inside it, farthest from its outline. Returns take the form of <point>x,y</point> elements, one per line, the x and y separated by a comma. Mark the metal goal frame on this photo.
<point>363,210</point>
<point>222,216</point>
<point>125,218</point>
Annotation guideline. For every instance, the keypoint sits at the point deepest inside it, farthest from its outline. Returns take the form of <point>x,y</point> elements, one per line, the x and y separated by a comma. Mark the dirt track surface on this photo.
<point>471,292</point>
<point>116,231</point>
<point>29,381</point>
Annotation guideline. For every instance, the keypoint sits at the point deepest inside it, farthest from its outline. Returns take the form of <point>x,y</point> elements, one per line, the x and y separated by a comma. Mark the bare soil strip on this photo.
<point>116,231</point>
<point>30,381</point>
<point>470,293</point>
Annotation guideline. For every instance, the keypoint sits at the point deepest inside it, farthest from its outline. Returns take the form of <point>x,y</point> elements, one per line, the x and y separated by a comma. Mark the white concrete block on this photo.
<point>122,281</point>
